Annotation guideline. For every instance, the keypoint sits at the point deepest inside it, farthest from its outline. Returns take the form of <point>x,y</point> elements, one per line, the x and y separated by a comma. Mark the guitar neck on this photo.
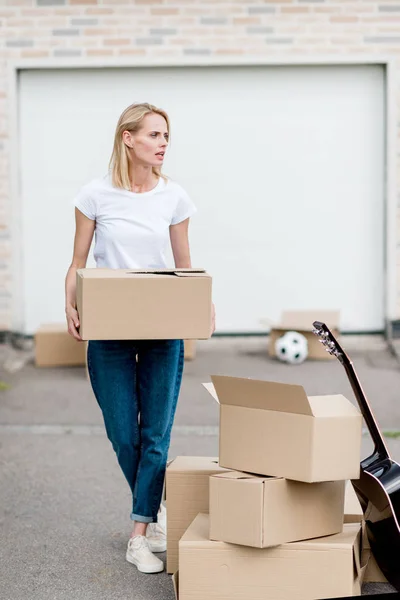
<point>380,446</point>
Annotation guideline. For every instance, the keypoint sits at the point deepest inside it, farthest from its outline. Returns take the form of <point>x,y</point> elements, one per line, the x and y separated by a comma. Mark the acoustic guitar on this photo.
<point>378,488</point>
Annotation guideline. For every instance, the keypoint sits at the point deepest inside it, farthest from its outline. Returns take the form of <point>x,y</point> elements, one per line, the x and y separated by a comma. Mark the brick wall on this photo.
<point>40,29</point>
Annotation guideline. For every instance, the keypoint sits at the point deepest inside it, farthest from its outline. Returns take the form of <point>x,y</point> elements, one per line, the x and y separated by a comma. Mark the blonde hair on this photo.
<point>130,120</point>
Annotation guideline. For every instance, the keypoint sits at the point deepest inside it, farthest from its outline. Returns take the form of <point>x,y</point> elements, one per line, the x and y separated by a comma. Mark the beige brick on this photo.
<point>53,22</point>
<point>99,11</point>
<point>183,21</point>
<point>292,29</point>
<point>229,51</point>
<point>197,11</point>
<point>359,8</point>
<point>113,22</point>
<point>34,53</point>
<point>66,12</point>
<point>383,19</point>
<point>344,19</point>
<point>247,20</point>
<point>389,29</point>
<point>132,52</point>
<point>326,9</point>
<point>100,52</point>
<point>75,2</point>
<point>164,11</point>
<point>184,42</point>
<point>103,32</point>
<point>33,12</point>
<point>19,2</point>
<point>154,22</point>
<point>85,43</point>
<point>295,9</point>
<point>343,41</point>
<point>117,42</point>
<point>20,22</point>
<point>311,41</point>
<point>194,31</point>
<point>170,53</point>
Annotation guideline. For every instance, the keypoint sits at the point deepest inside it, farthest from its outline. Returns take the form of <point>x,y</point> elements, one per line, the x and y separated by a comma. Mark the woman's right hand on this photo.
<point>73,322</point>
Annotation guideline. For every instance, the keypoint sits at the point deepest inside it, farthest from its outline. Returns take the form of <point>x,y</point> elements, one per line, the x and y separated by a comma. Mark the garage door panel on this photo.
<point>285,164</point>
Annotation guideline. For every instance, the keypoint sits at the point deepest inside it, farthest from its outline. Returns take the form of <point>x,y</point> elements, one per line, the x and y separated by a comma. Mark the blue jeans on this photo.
<point>138,400</point>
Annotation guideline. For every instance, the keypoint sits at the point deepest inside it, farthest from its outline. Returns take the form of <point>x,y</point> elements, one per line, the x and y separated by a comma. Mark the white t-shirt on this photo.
<point>132,229</point>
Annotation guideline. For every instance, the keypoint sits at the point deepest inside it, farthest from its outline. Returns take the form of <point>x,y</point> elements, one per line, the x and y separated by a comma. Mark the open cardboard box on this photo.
<point>302,322</point>
<point>327,567</point>
<point>275,429</point>
<point>121,304</point>
<point>257,511</point>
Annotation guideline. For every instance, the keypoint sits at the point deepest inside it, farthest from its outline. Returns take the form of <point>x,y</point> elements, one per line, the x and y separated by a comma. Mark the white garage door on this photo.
<point>285,164</point>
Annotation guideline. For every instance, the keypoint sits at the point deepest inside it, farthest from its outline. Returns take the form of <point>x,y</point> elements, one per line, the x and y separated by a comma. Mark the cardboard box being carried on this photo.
<point>302,322</point>
<point>327,567</point>
<point>275,429</point>
<point>267,511</point>
<point>55,347</point>
<point>187,494</point>
<point>120,304</point>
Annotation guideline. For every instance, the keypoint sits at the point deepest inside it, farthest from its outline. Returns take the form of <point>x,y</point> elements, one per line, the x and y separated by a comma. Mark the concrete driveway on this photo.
<point>64,510</point>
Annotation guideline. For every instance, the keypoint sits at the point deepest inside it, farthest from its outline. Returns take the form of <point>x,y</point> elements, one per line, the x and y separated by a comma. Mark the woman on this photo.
<point>136,383</point>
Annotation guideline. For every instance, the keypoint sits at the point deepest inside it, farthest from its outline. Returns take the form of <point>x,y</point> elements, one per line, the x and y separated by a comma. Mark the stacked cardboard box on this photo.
<point>278,525</point>
<point>55,347</point>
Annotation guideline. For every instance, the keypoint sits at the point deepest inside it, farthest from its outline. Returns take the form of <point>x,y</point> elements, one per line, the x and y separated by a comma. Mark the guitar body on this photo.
<point>378,490</point>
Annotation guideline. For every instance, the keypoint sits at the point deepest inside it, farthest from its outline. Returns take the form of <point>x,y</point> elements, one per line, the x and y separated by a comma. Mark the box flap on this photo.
<point>267,395</point>
<point>303,319</point>
<point>194,464</point>
<point>99,273</point>
<point>334,405</point>
<point>241,475</point>
<point>211,390</point>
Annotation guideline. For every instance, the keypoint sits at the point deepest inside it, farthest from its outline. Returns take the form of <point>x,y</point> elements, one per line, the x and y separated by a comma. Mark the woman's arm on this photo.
<point>179,235</point>
<point>180,249</point>
<point>84,230</point>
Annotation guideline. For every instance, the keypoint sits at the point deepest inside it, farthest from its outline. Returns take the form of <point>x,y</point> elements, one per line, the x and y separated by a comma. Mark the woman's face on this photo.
<point>149,144</point>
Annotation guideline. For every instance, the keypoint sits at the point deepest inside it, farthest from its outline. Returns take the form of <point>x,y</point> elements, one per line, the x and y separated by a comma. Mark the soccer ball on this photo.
<point>292,348</point>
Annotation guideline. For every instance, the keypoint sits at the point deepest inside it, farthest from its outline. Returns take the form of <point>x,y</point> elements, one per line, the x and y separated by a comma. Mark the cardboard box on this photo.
<point>187,494</point>
<point>275,429</point>
<point>55,347</point>
<point>302,322</point>
<point>267,511</point>
<point>119,304</point>
<point>353,513</point>
<point>327,567</point>
<point>190,349</point>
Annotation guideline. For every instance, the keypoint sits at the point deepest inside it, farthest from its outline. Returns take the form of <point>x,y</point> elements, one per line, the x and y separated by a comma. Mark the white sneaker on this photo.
<point>139,554</point>
<point>156,533</point>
